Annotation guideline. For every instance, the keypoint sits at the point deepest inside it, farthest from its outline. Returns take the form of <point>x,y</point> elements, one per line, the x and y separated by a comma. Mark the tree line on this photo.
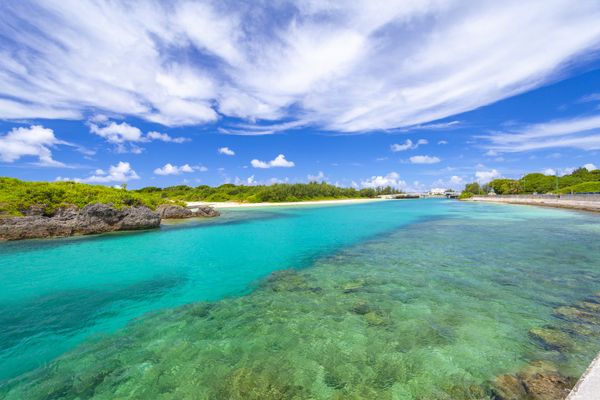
<point>279,192</point>
<point>580,180</point>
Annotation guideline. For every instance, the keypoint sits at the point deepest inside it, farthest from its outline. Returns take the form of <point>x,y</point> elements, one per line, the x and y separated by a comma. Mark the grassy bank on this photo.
<point>17,195</point>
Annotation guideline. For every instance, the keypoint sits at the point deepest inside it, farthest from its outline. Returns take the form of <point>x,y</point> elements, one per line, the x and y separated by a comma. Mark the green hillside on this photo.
<point>581,188</point>
<point>580,180</point>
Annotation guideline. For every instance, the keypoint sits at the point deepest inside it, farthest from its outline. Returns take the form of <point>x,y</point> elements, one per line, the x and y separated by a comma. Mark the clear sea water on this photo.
<point>417,299</point>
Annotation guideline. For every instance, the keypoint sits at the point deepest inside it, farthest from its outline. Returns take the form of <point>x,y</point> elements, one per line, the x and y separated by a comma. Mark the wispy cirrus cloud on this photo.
<point>342,69</point>
<point>408,144</point>
<point>581,133</point>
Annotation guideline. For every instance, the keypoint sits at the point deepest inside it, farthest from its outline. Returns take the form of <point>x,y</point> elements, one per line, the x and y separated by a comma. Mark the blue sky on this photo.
<point>414,94</point>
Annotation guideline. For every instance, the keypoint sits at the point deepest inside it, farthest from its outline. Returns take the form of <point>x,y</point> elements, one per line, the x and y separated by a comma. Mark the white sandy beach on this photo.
<point>298,203</point>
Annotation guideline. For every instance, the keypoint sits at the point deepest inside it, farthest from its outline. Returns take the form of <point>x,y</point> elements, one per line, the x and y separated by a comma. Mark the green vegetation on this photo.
<point>581,188</point>
<point>465,195</point>
<point>276,193</point>
<point>579,181</point>
<point>16,196</point>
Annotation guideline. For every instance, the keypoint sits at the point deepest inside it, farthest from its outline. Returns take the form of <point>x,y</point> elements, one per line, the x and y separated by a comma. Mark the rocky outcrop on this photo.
<point>70,221</point>
<point>177,212</point>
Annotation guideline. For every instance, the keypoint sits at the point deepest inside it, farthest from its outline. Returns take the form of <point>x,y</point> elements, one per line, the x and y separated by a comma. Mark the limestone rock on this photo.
<point>177,212</point>
<point>206,211</point>
<point>174,212</point>
<point>69,221</point>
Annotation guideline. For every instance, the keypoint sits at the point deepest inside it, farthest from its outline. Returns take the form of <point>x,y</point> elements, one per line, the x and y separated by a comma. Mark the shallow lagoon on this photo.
<point>398,299</point>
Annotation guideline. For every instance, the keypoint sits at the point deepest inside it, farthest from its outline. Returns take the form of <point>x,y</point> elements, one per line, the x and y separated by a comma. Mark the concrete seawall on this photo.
<point>585,202</point>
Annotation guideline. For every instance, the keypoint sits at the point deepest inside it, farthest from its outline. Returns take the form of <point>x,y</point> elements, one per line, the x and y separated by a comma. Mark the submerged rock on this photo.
<point>289,280</point>
<point>70,221</point>
<point>552,337</point>
<point>248,384</point>
<point>533,386</point>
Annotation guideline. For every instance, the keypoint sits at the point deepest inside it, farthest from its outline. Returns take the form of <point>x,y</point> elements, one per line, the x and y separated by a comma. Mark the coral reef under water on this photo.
<point>373,321</point>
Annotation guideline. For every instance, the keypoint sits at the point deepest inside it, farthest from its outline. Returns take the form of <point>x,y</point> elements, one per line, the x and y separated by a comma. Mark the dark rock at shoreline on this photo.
<point>177,212</point>
<point>70,221</point>
<point>530,385</point>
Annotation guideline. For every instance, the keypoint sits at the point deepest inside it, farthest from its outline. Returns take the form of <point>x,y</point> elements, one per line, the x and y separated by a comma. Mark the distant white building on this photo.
<point>437,191</point>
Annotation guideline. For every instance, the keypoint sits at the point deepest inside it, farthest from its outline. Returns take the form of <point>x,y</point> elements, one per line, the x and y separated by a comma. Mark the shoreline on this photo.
<point>563,202</point>
<point>217,205</point>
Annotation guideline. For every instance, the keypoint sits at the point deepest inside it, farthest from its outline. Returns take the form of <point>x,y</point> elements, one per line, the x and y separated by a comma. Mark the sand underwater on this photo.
<point>465,301</point>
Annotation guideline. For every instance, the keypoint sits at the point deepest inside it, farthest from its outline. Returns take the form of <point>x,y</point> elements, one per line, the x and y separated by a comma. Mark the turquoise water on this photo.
<point>398,299</point>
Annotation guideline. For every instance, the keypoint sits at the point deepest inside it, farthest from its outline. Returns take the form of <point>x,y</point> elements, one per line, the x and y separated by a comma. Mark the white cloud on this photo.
<point>499,159</point>
<point>249,181</point>
<point>174,170</point>
<point>382,159</point>
<point>226,150</point>
<point>279,161</point>
<point>119,133</point>
<point>455,182</point>
<point>391,179</point>
<point>33,141</point>
<point>492,153</point>
<point>442,142</point>
<point>424,160</point>
<point>590,167</point>
<point>339,68</point>
<point>480,166</point>
<point>407,145</point>
<point>122,133</point>
<point>259,164</point>
<point>354,185</point>
<point>448,169</point>
<point>121,173</point>
<point>549,171</point>
<point>316,177</point>
<point>554,155</point>
<point>487,176</point>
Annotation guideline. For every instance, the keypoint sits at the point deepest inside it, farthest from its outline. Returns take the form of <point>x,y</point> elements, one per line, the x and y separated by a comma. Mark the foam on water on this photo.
<point>423,299</point>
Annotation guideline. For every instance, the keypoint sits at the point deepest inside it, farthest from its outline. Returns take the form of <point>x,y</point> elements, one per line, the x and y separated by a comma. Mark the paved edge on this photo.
<point>588,386</point>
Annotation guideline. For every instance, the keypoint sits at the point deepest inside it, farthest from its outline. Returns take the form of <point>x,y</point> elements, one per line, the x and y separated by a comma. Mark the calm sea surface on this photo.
<point>397,299</point>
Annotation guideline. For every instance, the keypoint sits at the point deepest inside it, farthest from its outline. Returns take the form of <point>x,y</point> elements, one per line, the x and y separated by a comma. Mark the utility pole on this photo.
<point>556,182</point>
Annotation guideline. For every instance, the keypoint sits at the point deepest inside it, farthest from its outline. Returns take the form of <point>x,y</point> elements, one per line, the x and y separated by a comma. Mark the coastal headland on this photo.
<point>584,202</point>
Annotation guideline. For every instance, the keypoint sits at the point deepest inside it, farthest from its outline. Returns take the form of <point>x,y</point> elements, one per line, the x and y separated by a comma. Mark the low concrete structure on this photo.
<point>586,202</point>
<point>588,387</point>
